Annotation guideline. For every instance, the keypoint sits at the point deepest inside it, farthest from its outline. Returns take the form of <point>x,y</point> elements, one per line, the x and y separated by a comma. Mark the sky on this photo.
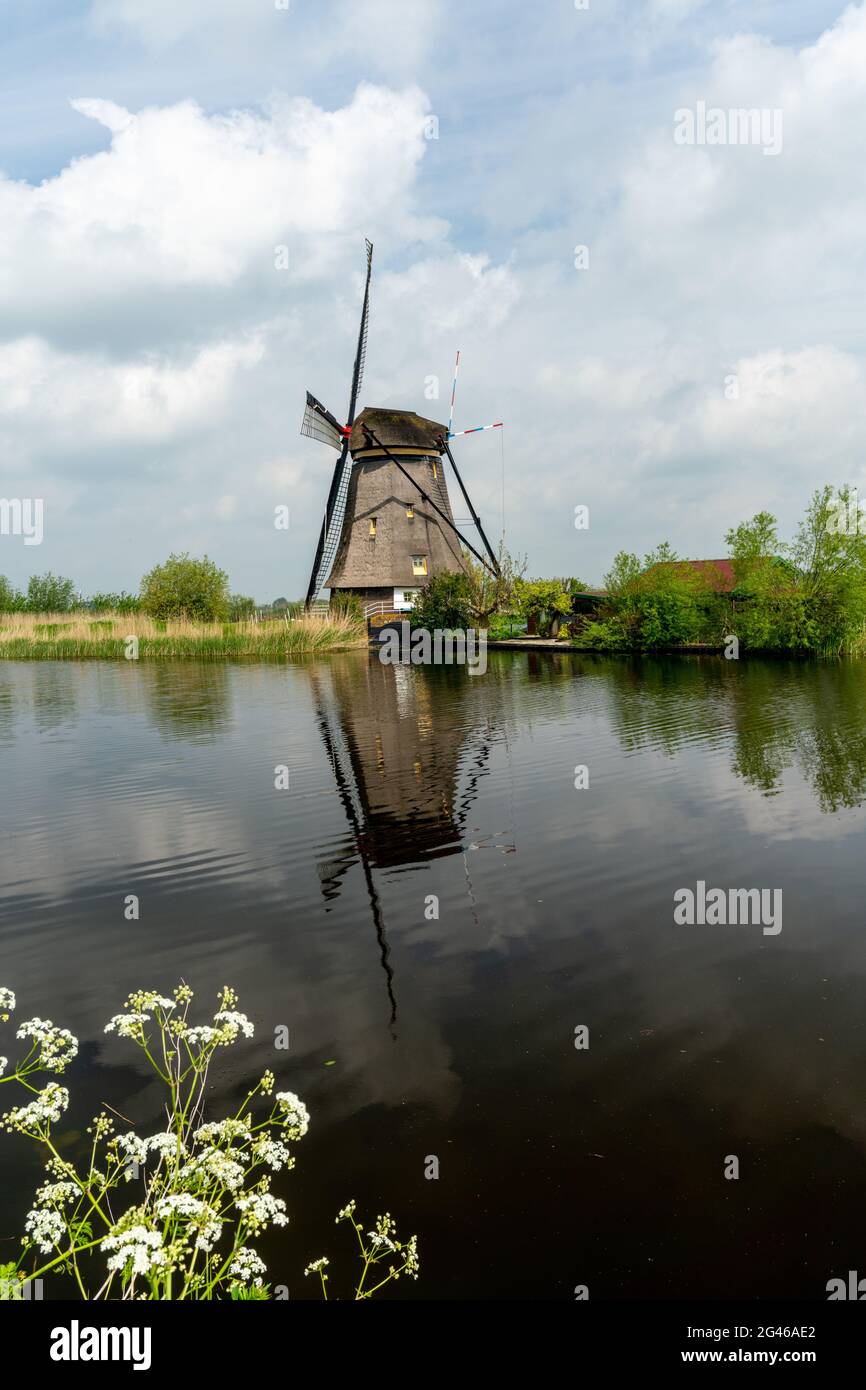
<point>185,190</point>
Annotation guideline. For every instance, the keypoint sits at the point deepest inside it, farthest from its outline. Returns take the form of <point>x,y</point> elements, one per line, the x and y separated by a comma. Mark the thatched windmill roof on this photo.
<point>401,431</point>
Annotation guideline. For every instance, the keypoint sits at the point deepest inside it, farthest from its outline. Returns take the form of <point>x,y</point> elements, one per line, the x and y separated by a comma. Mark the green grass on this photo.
<point>107,640</point>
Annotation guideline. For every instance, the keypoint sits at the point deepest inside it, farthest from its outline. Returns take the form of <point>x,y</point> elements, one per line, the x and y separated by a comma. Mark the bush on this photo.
<point>50,593</point>
<point>445,602</point>
<point>11,600</point>
<point>241,607</point>
<point>186,588</point>
<point>114,603</point>
<point>540,601</point>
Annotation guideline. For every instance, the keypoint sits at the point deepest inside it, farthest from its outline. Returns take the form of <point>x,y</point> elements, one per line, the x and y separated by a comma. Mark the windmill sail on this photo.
<point>318,423</point>
<point>332,523</point>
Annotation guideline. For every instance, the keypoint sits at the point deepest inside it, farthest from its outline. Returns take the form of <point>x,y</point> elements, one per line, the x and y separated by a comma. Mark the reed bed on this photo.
<point>84,637</point>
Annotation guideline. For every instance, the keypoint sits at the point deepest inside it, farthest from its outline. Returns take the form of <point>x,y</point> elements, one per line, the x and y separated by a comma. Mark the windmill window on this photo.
<point>373,527</point>
<point>410,511</point>
<point>419,564</point>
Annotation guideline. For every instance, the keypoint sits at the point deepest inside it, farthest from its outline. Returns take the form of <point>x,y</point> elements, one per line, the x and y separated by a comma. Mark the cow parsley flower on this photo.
<point>57,1193</point>
<point>136,1246</point>
<point>45,1227</point>
<point>201,1035</point>
<point>347,1212</point>
<point>127,1025</point>
<point>378,1239</point>
<point>234,1023</point>
<point>247,1265</point>
<point>166,1144</point>
<point>3,1064</point>
<point>294,1114</point>
<point>57,1046</point>
<point>47,1107</point>
<point>7,1000</point>
<point>273,1153</point>
<point>134,1150</point>
<point>217,1165</point>
<point>410,1255</point>
<point>316,1266</point>
<point>223,1129</point>
<point>149,999</point>
<point>261,1208</point>
<point>198,1213</point>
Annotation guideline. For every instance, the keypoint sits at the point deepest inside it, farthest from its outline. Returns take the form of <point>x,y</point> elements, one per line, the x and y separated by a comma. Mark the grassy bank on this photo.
<point>82,637</point>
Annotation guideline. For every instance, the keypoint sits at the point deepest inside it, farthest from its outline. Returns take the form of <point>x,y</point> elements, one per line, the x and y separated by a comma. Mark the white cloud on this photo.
<point>383,34</point>
<point>186,200</point>
<point>56,396</point>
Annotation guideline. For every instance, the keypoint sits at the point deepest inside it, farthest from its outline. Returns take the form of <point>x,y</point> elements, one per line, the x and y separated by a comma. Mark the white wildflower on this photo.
<point>198,1213</point>
<point>247,1265</point>
<point>45,1227</point>
<point>273,1153</point>
<point>3,1064</point>
<point>165,1144</point>
<point>57,1193</point>
<point>201,1035</point>
<point>410,1255</point>
<point>295,1115</point>
<point>127,1025</point>
<point>261,1208</point>
<point>7,999</point>
<point>136,1246</point>
<point>378,1240</point>
<point>149,999</point>
<point>217,1165</point>
<point>347,1212</point>
<point>57,1046</point>
<point>45,1109</point>
<point>133,1149</point>
<point>223,1129</point>
<point>234,1023</point>
<point>315,1266</point>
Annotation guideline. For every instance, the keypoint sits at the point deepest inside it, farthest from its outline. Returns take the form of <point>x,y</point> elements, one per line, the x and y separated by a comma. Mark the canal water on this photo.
<point>432,908</point>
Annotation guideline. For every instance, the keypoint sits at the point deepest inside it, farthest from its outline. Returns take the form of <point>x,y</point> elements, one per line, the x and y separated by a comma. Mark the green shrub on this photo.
<point>444,603</point>
<point>184,587</point>
<point>50,593</point>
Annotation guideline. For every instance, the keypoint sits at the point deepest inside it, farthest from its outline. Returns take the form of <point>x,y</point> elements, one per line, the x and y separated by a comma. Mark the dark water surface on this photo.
<point>455,1037</point>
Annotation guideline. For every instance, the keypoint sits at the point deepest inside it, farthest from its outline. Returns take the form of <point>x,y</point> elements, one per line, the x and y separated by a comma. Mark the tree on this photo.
<point>184,587</point>
<point>755,549</point>
<point>11,600</point>
<point>489,593</point>
<point>50,593</point>
<point>241,607</point>
<point>114,603</point>
<point>542,601</point>
<point>444,603</point>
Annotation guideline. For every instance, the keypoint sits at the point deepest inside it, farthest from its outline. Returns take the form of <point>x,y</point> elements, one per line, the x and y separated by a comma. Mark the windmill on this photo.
<point>388,524</point>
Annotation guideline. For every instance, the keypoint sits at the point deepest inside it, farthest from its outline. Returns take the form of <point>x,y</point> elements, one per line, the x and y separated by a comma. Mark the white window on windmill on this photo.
<point>419,564</point>
<point>372,528</point>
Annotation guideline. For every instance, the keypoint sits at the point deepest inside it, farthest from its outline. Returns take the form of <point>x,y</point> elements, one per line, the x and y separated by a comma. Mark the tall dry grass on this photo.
<point>86,636</point>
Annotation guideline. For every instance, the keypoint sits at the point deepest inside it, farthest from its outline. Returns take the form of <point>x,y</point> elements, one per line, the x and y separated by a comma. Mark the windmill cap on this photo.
<point>401,431</point>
